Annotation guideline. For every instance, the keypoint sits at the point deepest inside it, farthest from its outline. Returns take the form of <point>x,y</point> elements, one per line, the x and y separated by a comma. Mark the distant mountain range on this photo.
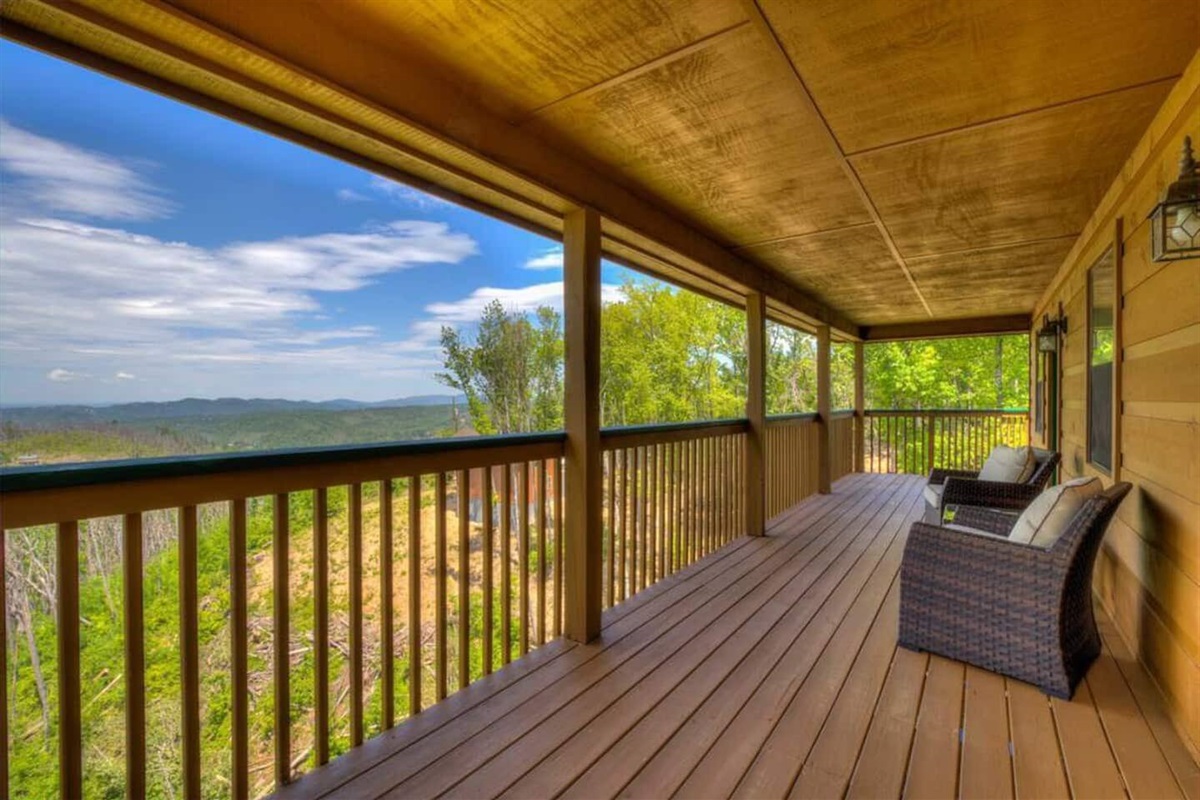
<point>199,407</point>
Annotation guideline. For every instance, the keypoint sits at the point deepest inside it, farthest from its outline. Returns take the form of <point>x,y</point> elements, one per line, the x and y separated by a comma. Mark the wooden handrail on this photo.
<point>675,493</point>
<point>918,440</point>
<point>801,416</point>
<point>630,435</point>
<point>944,412</point>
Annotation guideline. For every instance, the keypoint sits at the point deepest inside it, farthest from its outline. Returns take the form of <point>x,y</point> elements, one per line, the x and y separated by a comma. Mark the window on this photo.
<point>1101,289</point>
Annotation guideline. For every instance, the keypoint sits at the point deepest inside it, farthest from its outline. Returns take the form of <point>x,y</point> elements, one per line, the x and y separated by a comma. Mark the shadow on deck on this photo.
<point>770,669</point>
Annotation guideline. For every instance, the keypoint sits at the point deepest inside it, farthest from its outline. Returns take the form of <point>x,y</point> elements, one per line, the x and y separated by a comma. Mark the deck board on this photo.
<point>770,669</point>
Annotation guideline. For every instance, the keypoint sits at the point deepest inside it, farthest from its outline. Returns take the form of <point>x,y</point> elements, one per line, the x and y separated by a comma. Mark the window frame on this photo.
<point>1112,255</point>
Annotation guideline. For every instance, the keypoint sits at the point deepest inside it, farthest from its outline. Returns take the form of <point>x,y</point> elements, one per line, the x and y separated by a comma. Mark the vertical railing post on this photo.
<point>929,443</point>
<point>581,312</point>
<point>70,737</point>
<point>756,412</point>
<point>823,410</point>
<point>860,419</point>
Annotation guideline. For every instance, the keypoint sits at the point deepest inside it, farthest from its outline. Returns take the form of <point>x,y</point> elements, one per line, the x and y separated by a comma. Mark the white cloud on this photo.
<point>551,259</point>
<point>125,376</point>
<point>526,298</point>
<point>351,196</point>
<point>239,319</point>
<point>61,177</point>
<point>406,195</point>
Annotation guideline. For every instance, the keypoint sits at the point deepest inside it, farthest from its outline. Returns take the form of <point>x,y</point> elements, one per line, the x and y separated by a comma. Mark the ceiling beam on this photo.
<point>947,328</point>
<point>760,22</point>
<point>427,128</point>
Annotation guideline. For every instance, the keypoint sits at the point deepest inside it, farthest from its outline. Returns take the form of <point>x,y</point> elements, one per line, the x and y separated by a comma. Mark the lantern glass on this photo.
<point>1047,341</point>
<point>1176,231</point>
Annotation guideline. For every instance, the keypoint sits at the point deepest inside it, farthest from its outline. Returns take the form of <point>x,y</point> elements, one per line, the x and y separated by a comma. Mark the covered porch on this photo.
<point>770,669</point>
<point>702,609</point>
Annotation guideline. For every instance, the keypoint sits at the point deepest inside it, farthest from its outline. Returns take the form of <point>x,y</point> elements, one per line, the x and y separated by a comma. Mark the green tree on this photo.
<point>510,371</point>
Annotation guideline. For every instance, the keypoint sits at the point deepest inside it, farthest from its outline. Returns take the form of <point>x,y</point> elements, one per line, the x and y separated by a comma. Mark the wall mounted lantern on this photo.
<point>1175,222</point>
<point>1047,335</point>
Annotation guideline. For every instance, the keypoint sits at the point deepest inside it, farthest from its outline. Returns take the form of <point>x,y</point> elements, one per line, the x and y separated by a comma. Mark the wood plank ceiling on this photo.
<point>899,160</point>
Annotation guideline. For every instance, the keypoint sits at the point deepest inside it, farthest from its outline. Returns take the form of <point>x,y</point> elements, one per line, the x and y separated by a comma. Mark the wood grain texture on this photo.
<point>771,664</point>
<point>520,57</point>
<point>874,291</point>
<point>719,133</point>
<point>1036,176</point>
<point>1002,280</point>
<point>885,71</point>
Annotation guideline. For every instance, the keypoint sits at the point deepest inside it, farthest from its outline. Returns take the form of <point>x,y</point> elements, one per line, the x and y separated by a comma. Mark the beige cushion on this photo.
<point>933,494</point>
<point>1048,516</point>
<point>1008,464</point>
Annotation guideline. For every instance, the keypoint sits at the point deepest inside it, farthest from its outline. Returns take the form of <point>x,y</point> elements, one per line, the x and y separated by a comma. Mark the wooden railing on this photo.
<point>841,444</point>
<point>792,452</point>
<point>672,494</point>
<point>919,440</point>
<point>792,444</point>
<point>336,590</point>
<point>425,566</point>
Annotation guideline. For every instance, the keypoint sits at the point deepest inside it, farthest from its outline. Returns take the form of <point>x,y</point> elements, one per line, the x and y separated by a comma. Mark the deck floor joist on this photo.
<point>770,669</point>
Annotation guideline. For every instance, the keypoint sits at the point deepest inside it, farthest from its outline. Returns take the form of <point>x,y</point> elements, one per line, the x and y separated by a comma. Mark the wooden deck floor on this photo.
<point>770,669</point>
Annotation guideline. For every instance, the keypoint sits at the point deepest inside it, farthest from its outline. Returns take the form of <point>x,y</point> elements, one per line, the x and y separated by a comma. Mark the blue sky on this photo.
<point>151,251</point>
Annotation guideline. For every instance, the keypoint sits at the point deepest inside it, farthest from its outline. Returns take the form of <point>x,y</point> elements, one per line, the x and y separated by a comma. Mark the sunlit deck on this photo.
<point>770,669</point>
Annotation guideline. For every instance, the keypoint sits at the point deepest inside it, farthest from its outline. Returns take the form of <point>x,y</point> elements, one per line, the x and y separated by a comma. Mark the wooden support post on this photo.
<point>860,417</point>
<point>581,306</point>
<point>756,412</point>
<point>823,409</point>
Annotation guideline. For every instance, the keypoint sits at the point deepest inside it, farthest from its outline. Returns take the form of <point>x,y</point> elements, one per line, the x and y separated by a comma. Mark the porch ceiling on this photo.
<point>894,160</point>
<point>982,133</point>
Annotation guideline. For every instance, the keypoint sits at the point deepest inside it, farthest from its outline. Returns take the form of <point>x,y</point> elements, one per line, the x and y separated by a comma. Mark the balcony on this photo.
<point>726,665</point>
<point>704,609</point>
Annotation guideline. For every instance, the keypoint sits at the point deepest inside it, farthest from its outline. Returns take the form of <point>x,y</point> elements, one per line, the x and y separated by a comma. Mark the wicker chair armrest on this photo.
<point>988,494</point>
<point>989,520</point>
<point>939,476</point>
<point>979,569</point>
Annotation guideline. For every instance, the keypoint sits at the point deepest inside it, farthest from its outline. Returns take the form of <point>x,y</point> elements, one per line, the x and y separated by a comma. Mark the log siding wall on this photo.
<point>1148,575</point>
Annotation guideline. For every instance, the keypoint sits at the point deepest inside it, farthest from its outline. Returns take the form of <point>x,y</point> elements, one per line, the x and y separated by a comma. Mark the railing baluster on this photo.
<point>4,660</point>
<point>439,588</point>
<point>70,732</point>
<point>355,513</point>
<point>642,525</point>
<point>485,495</point>
<point>239,650</point>
<point>280,660</point>
<point>610,555</point>
<point>135,658</point>
<point>523,554</point>
<point>414,594</point>
<point>387,655</point>
<point>320,621</point>
<point>464,578</point>
<point>506,511</point>
<point>652,514</point>
<point>189,650</point>
<point>559,542</point>
<point>542,513</point>
<point>632,571</point>
<point>694,545</point>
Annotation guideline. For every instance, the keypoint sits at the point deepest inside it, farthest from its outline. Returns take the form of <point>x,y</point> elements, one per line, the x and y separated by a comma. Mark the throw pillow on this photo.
<point>1047,517</point>
<point>1008,464</point>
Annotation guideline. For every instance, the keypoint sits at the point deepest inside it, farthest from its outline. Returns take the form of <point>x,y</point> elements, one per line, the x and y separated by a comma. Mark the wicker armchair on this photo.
<point>1016,609</point>
<point>959,487</point>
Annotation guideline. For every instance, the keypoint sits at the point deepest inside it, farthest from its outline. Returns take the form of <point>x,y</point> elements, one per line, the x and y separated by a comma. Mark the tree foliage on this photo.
<point>510,370</point>
<point>975,372</point>
<point>669,355</point>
